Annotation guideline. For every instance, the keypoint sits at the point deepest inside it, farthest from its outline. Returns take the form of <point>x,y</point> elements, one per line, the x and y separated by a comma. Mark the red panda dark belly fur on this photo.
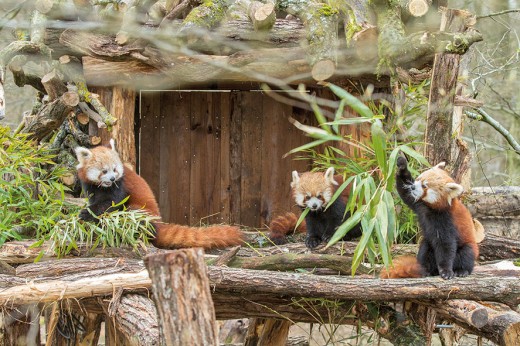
<point>448,247</point>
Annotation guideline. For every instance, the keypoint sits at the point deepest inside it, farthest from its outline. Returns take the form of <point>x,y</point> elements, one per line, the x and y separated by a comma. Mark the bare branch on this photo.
<point>482,115</point>
<point>499,13</point>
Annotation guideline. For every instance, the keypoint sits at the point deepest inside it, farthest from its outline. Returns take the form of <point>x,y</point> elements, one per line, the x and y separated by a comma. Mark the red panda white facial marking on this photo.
<point>313,190</point>
<point>101,166</point>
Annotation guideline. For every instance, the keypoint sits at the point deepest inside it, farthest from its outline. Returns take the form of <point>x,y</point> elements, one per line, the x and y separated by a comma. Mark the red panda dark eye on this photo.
<point>307,198</point>
<point>114,170</point>
<point>104,171</point>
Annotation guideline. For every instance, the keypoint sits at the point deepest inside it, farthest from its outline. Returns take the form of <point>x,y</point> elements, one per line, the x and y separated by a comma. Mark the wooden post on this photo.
<point>123,109</point>
<point>181,292</point>
<point>439,128</point>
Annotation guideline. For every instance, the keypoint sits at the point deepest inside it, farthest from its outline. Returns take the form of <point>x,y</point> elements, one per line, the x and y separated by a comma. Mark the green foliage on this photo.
<point>31,194</point>
<point>371,176</point>
<point>34,204</point>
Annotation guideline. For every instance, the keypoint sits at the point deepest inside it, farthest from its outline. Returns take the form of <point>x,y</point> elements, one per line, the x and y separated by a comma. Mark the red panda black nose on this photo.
<point>113,179</point>
<point>412,187</point>
<point>314,206</point>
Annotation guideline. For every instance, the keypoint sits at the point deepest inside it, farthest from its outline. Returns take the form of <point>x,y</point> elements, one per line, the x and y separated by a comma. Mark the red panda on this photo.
<point>448,247</point>
<point>314,190</point>
<point>107,182</point>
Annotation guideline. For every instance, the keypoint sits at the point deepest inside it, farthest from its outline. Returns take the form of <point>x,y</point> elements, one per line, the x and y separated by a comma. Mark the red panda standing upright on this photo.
<point>106,181</point>
<point>448,247</point>
<point>314,190</point>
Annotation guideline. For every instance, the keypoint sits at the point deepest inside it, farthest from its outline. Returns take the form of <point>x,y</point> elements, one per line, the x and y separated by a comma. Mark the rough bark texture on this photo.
<point>182,295</point>
<point>123,106</point>
<point>439,127</point>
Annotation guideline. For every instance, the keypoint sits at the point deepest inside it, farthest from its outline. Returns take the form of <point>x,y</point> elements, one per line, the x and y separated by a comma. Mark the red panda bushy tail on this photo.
<point>283,225</point>
<point>403,267</point>
<point>172,236</point>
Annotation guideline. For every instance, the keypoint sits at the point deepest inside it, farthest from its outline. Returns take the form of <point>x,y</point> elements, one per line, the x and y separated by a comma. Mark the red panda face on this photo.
<point>313,190</point>
<point>436,188</point>
<point>100,165</point>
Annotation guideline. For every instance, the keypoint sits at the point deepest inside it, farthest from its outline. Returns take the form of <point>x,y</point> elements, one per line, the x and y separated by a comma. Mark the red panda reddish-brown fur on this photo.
<point>448,246</point>
<point>141,197</point>
<point>323,184</point>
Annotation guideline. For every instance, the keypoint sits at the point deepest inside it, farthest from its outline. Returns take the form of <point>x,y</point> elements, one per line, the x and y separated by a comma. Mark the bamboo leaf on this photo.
<point>379,144</point>
<point>363,241</point>
<point>415,155</point>
<point>306,146</point>
<point>345,227</point>
<point>353,102</point>
<point>302,217</point>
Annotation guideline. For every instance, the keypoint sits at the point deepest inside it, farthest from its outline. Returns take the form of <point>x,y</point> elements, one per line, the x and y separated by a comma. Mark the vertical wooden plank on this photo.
<point>225,157</point>
<point>251,109</point>
<point>176,155</point>
<point>235,153</point>
<point>149,163</point>
<point>214,143</point>
<point>123,109</point>
<point>199,155</point>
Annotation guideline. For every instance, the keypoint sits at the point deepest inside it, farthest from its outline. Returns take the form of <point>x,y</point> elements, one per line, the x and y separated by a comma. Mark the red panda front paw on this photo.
<point>86,215</point>
<point>446,274</point>
<point>461,273</point>
<point>402,164</point>
<point>312,242</point>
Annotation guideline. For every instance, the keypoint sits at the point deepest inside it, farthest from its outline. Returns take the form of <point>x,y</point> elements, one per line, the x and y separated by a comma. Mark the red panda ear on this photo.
<point>83,155</point>
<point>454,189</point>
<point>440,165</point>
<point>329,176</point>
<point>295,179</point>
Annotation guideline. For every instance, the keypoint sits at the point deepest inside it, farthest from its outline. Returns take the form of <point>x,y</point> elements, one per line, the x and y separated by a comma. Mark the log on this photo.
<point>265,332</point>
<point>496,201</point>
<point>416,8</point>
<point>263,16</point>
<point>320,21</point>
<point>54,86</point>
<point>136,318</point>
<point>439,117</point>
<point>48,119</point>
<point>22,79</point>
<point>360,30</point>
<point>503,289</point>
<point>463,311</point>
<point>502,325</point>
<point>17,252</point>
<point>182,295</point>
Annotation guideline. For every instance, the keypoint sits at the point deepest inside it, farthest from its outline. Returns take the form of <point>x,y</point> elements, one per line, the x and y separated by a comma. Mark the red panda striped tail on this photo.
<point>284,225</point>
<point>172,236</point>
<point>403,267</point>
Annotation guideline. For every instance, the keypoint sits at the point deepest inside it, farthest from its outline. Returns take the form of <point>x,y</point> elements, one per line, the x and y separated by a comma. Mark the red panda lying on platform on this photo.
<point>314,190</point>
<point>448,247</point>
<point>107,181</point>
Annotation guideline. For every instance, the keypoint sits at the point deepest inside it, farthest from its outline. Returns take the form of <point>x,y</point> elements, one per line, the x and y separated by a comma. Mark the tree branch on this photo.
<point>498,13</point>
<point>485,117</point>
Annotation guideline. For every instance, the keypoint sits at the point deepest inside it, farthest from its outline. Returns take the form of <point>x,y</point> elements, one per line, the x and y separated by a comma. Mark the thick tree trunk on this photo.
<point>439,127</point>
<point>182,295</point>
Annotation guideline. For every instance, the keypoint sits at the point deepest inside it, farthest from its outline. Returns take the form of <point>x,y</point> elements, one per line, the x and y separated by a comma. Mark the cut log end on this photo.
<point>418,8</point>
<point>323,70</point>
<point>70,98</point>
<point>263,16</point>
